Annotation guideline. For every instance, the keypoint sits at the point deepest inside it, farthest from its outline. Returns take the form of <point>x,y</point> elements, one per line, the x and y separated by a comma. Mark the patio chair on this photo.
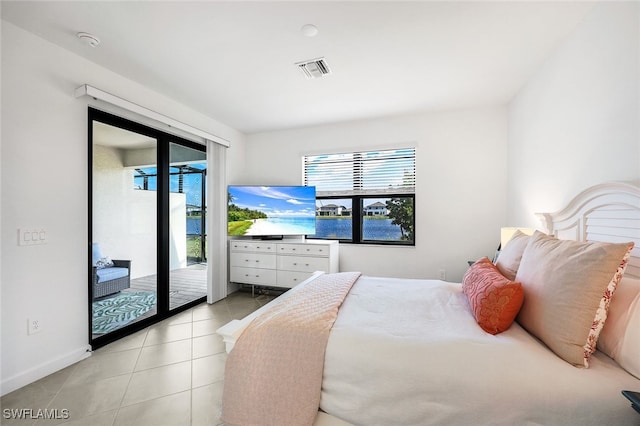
<point>109,276</point>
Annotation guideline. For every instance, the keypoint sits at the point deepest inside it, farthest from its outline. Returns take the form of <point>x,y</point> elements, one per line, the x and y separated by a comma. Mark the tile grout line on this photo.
<point>224,311</point>
<point>115,417</point>
<point>120,406</point>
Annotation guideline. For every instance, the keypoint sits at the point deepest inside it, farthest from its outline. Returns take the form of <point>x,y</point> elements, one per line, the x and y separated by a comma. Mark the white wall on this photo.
<point>461,183</point>
<point>177,231</point>
<point>576,122</point>
<point>124,219</point>
<point>44,177</point>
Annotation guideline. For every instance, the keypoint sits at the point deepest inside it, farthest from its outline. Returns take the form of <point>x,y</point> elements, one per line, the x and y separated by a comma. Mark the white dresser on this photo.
<point>280,264</point>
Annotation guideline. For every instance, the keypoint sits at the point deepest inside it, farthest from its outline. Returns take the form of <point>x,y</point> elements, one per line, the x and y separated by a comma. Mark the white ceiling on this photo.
<point>234,61</point>
<point>116,137</point>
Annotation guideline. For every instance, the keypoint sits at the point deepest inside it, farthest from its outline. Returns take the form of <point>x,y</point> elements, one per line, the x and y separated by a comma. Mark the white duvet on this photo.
<point>409,352</point>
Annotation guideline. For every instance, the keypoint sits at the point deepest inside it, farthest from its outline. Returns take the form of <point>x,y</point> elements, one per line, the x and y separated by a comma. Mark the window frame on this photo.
<point>357,224</point>
<point>357,196</point>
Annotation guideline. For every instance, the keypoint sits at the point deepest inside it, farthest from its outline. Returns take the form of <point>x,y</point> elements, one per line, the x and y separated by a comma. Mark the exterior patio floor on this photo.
<point>185,285</point>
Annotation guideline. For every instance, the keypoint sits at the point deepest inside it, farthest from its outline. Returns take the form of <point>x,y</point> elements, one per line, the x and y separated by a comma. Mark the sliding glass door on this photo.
<point>124,229</point>
<point>146,226</point>
<point>187,220</point>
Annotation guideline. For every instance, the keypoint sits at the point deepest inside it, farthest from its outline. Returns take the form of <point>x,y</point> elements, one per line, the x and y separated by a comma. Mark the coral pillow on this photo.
<point>495,301</point>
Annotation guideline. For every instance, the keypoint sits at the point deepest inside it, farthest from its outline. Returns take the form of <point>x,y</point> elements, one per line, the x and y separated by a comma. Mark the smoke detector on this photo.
<point>88,39</point>
<point>309,30</point>
<point>314,68</point>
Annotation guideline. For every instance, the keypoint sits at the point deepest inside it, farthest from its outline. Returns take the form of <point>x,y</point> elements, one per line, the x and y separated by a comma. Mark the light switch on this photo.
<point>30,237</point>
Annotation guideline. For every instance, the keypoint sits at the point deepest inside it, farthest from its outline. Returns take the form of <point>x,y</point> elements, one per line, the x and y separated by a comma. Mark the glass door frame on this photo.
<point>162,219</point>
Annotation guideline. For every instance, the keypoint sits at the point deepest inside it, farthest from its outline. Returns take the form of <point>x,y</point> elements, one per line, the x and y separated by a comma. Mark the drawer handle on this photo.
<point>306,264</point>
<point>295,264</point>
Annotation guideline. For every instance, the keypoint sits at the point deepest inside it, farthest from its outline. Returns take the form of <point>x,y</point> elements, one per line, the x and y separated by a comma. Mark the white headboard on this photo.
<point>608,212</point>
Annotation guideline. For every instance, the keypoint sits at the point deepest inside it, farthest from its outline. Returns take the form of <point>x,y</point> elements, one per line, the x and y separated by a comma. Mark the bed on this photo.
<point>427,355</point>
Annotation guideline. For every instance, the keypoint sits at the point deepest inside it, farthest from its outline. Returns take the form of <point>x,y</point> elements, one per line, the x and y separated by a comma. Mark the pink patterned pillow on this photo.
<point>567,288</point>
<point>495,301</point>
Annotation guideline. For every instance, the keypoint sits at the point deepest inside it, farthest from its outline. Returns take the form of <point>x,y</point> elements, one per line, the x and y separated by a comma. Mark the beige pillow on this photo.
<point>567,287</point>
<point>511,254</point>
<point>620,337</point>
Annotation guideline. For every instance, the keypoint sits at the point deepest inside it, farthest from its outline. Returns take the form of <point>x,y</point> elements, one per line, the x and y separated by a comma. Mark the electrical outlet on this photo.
<point>442,274</point>
<point>33,326</point>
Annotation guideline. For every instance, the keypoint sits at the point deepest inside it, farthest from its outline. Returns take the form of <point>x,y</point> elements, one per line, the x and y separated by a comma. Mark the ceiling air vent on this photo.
<point>314,68</point>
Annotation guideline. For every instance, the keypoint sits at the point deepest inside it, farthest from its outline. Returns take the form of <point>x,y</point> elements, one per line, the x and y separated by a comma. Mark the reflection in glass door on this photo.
<point>187,220</point>
<point>123,228</point>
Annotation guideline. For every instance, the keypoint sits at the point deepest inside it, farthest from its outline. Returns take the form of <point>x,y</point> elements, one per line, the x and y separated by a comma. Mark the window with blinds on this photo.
<point>364,197</point>
<point>367,172</point>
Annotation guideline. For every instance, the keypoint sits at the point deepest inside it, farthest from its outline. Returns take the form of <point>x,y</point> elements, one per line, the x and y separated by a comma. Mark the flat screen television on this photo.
<point>271,211</point>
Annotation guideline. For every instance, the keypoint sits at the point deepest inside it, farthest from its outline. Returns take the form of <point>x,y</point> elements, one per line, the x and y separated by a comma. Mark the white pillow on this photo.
<point>620,337</point>
<point>511,254</point>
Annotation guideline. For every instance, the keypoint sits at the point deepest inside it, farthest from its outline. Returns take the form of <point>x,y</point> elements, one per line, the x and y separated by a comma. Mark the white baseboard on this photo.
<point>38,372</point>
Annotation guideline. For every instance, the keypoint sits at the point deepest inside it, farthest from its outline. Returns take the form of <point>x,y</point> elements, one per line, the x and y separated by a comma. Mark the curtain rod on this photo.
<point>87,90</point>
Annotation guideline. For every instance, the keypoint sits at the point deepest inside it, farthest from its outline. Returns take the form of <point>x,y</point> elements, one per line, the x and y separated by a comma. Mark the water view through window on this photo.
<point>383,219</point>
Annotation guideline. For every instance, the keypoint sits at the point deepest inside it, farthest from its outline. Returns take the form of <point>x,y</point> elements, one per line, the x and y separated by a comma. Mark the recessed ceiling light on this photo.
<point>88,39</point>
<point>309,30</point>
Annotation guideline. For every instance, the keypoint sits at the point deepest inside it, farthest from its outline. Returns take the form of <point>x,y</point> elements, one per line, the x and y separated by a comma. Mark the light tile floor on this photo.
<point>169,374</point>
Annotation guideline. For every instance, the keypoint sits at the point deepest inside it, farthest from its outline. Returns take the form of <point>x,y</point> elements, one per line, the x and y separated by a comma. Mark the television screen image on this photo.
<point>271,210</point>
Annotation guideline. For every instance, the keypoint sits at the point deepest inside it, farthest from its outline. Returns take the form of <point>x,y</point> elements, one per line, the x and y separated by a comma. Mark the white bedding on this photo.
<point>426,361</point>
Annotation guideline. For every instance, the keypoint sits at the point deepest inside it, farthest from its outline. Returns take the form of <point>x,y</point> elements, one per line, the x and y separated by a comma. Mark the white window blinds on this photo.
<point>366,172</point>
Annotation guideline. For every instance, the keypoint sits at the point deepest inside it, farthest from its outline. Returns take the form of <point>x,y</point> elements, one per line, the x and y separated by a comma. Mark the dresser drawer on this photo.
<point>253,246</point>
<point>253,276</point>
<point>253,260</point>
<point>302,263</point>
<point>291,279</point>
<point>280,263</point>
<point>304,249</point>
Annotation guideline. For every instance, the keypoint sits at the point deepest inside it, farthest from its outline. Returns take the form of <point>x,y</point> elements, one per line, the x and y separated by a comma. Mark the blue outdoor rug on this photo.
<point>114,312</point>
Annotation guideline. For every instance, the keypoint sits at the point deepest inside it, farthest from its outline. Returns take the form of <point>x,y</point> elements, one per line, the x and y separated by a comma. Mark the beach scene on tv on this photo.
<point>271,210</point>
